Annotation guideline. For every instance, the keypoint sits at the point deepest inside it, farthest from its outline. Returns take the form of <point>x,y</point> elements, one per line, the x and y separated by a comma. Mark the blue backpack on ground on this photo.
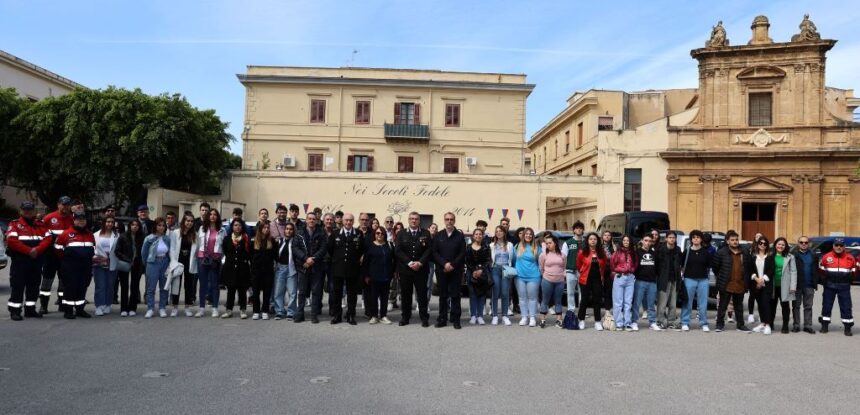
<point>570,322</point>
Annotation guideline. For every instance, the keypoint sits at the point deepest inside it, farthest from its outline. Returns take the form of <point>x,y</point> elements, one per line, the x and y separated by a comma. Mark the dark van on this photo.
<point>635,224</point>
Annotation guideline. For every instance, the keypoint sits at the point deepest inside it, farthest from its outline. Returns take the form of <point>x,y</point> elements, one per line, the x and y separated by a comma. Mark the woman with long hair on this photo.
<point>591,262</point>
<point>210,239</point>
<point>623,264</point>
<point>262,270</point>
<point>502,253</point>
<point>525,260</point>
<point>156,255</point>
<point>104,265</point>
<point>552,263</point>
<point>236,271</point>
<point>760,272</point>
<point>515,295</point>
<point>183,247</point>
<point>478,260</point>
<point>128,249</point>
<point>784,282</point>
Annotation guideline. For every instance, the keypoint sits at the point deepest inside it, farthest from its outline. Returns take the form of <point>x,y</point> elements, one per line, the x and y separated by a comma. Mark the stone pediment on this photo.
<point>761,72</point>
<point>761,185</point>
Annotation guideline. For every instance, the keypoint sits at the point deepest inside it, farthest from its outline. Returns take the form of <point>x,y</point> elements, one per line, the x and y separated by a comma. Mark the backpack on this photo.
<point>570,322</point>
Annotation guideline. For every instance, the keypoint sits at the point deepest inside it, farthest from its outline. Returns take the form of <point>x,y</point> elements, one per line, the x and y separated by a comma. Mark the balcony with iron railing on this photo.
<point>407,132</point>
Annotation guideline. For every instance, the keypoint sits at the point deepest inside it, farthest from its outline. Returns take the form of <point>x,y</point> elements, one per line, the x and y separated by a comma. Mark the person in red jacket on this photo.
<point>27,241</point>
<point>591,263</point>
<point>76,247</point>
<point>623,264</point>
<point>56,222</point>
<point>838,268</point>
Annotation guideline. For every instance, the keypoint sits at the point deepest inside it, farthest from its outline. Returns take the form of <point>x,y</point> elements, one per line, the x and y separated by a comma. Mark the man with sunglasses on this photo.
<point>838,268</point>
<point>807,283</point>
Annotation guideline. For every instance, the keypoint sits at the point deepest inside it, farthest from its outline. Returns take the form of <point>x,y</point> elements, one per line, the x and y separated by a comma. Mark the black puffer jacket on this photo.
<point>721,264</point>
<point>668,266</point>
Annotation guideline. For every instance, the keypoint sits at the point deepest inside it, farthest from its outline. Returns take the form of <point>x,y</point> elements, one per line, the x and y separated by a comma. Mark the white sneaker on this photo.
<point>188,312</point>
<point>481,321</point>
<point>759,328</point>
<point>685,328</point>
<point>598,326</point>
<point>655,327</point>
<point>506,321</point>
<point>123,314</point>
<point>132,313</point>
<point>215,313</point>
<point>532,322</point>
<point>495,321</point>
<point>265,316</point>
<point>385,320</point>
<point>706,329</point>
<point>374,320</point>
<point>751,319</point>
<point>510,312</point>
<point>174,312</point>
<point>473,320</point>
<point>227,314</point>
<point>581,325</point>
<point>255,316</point>
<point>551,311</point>
<point>99,311</point>
<point>766,330</point>
<point>148,314</point>
<point>199,313</point>
<point>524,321</point>
<point>162,313</point>
<point>243,314</point>
<point>634,326</point>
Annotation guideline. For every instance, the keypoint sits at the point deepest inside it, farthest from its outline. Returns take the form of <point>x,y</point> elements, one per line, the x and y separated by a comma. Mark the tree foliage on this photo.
<point>92,142</point>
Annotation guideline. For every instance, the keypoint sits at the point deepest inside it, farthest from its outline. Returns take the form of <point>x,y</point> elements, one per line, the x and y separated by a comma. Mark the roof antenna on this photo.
<point>351,58</point>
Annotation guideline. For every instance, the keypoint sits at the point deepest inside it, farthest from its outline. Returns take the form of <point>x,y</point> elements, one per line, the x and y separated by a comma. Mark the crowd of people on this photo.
<point>286,264</point>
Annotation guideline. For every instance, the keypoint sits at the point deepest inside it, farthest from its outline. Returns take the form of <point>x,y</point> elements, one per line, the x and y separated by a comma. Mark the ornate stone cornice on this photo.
<point>672,178</point>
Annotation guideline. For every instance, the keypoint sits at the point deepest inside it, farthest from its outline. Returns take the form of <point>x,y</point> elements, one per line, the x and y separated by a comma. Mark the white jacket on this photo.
<point>203,239</point>
<point>509,247</point>
<point>176,246</point>
<point>111,255</point>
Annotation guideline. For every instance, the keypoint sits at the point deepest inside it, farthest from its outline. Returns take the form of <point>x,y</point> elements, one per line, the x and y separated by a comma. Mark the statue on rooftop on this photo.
<point>718,37</point>
<point>808,31</point>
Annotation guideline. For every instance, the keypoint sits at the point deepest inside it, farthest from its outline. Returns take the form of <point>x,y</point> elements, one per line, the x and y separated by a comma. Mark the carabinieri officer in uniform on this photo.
<point>346,248</point>
<point>413,249</point>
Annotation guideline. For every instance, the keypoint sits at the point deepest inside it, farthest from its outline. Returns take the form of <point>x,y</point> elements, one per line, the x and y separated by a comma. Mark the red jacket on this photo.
<point>583,263</point>
<point>623,261</point>
<point>74,244</point>
<point>57,223</point>
<point>838,268</point>
<point>23,237</point>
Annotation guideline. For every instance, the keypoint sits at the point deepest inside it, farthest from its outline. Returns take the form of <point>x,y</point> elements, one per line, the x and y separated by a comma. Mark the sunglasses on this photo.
<point>804,242</point>
<point>762,243</point>
<point>835,245</point>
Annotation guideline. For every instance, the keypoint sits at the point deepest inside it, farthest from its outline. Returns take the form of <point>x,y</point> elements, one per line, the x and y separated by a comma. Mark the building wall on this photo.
<point>30,80</point>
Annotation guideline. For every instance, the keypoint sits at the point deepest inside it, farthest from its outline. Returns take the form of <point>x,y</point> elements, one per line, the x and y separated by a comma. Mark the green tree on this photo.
<point>90,142</point>
<point>10,106</point>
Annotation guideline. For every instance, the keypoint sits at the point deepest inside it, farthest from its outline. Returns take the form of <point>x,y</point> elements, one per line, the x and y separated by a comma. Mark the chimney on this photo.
<point>760,26</point>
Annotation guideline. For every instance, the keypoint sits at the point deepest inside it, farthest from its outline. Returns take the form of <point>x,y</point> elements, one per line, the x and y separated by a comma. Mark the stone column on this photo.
<point>854,205</point>
<point>815,201</point>
<point>797,210</point>
<point>672,180</point>
<point>707,181</point>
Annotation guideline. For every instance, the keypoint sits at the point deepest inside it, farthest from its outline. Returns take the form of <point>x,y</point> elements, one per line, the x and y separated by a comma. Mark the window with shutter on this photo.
<point>404,164</point>
<point>760,109</point>
<point>369,163</point>
<point>317,110</point>
<point>417,114</point>
<point>579,133</point>
<point>359,163</point>
<point>350,163</point>
<point>452,115</point>
<point>604,123</point>
<point>406,113</point>
<point>451,165</point>
<point>566,144</point>
<point>315,162</point>
<point>362,112</point>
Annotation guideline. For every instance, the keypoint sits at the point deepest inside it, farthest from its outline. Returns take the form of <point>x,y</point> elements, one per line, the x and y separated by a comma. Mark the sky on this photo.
<point>196,48</point>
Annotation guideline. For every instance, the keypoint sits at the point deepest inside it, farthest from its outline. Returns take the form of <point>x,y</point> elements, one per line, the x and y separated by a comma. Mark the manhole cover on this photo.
<point>155,375</point>
<point>617,384</point>
<point>470,383</point>
<point>321,379</point>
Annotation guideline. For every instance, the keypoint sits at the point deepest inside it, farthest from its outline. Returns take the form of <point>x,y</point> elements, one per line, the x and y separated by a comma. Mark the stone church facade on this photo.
<point>772,148</point>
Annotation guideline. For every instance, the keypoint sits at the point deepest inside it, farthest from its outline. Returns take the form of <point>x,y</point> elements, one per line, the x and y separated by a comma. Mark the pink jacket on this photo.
<point>623,261</point>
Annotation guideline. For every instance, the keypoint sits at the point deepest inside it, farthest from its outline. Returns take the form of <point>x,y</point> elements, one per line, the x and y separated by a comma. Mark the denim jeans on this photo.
<point>477,300</point>
<point>285,283</point>
<point>528,292</point>
<point>207,279</point>
<point>645,291</point>
<point>572,281</point>
<point>105,280</point>
<point>501,291</point>
<point>551,291</point>
<point>622,299</point>
<point>696,287</point>
<point>155,277</point>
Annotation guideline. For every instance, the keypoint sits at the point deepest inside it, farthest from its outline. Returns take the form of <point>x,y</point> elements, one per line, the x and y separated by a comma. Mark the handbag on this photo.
<point>508,271</point>
<point>123,266</point>
<point>571,321</point>
<point>608,322</point>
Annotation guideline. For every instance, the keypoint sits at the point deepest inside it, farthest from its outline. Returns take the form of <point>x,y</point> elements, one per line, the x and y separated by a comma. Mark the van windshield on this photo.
<point>641,226</point>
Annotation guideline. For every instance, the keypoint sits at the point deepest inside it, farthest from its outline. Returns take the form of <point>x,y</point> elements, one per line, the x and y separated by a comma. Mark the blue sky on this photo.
<point>196,47</point>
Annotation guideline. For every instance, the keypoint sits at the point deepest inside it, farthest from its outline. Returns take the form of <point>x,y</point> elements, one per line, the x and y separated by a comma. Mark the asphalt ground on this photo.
<point>114,365</point>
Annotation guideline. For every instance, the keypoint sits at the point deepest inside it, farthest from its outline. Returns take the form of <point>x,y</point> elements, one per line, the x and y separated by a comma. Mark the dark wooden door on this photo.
<point>758,218</point>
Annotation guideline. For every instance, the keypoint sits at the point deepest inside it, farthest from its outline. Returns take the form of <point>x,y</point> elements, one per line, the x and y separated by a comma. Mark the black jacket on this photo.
<point>346,253</point>
<point>668,266</point>
<point>300,253</point>
<point>263,264</point>
<point>317,245</point>
<point>236,271</point>
<point>721,264</point>
<point>478,260</point>
<point>408,249</point>
<point>769,270</point>
<point>449,249</point>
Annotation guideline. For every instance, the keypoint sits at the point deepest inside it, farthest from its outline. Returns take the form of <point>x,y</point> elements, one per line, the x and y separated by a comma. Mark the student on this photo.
<point>262,270</point>
<point>570,249</point>
<point>128,249</point>
<point>623,264</point>
<point>591,263</point>
<point>729,266</point>
<point>645,288</point>
<point>156,255</point>
<point>478,260</point>
<point>525,260</point>
<point>695,269</point>
<point>379,270</point>
<point>210,239</point>
<point>236,271</point>
<point>183,247</point>
<point>502,252</point>
<point>760,272</point>
<point>784,282</point>
<point>669,259</point>
<point>552,268</point>
<point>609,247</point>
<point>104,265</point>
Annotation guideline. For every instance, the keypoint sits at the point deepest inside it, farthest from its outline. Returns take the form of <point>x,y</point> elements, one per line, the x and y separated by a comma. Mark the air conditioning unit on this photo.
<point>471,161</point>
<point>289,161</point>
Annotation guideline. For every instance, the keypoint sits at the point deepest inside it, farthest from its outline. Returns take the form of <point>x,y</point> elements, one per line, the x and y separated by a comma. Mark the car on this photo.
<point>635,224</point>
<point>4,260</point>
